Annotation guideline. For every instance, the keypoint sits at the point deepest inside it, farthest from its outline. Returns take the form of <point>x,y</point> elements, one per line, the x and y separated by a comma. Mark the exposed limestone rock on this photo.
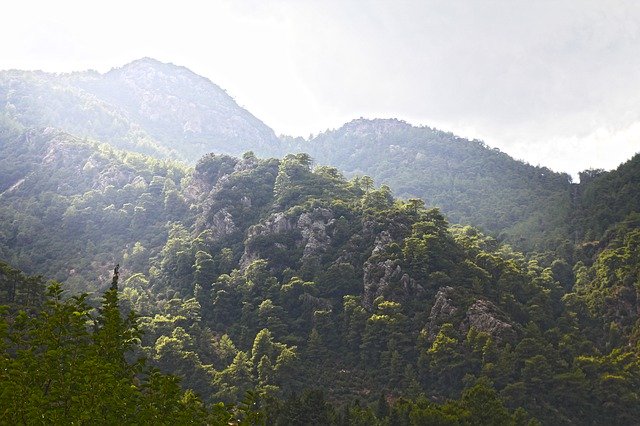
<point>484,316</point>
<point>443,311</point>
<point>381,241</point>
<point>378,277</point>
<point>385,276</point>
<point>222,224</point>
<point>312,227</point>
<point>277,223</point>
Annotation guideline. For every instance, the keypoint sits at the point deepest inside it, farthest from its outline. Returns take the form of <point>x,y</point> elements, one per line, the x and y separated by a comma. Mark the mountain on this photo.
<point>470,182</point>
<point>605,198</point>
<point>145,106</point>
<point>167,111</point>
<point>57,190</point>
<point>259,281</point>
<point>275,276</point>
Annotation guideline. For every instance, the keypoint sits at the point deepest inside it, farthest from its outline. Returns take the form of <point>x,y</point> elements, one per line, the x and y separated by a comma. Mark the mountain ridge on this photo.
<point>168,111</point>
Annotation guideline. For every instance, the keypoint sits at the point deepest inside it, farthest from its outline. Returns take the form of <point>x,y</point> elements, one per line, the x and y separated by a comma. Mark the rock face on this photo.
<point>484,316</point>
<point>311,229</point>
<point>211,181</point>
<point>443,310</point>
<point>385,276</point>
<point>222,224</point>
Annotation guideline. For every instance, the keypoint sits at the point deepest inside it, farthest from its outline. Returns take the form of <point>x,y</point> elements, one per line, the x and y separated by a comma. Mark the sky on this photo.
<point>555,83</point>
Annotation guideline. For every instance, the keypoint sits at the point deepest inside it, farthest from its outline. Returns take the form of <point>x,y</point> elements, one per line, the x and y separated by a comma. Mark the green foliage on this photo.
<point>57,370</point>
<point>467,180</point>
<point>273,277</point>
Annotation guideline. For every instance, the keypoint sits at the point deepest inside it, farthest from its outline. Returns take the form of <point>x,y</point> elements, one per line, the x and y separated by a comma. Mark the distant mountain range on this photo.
<point>168,111</point>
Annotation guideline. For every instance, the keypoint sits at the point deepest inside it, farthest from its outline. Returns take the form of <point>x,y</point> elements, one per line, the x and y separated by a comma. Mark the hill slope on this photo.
<point>170,112</point>
<point>469,181</point>
<point>605,198</point>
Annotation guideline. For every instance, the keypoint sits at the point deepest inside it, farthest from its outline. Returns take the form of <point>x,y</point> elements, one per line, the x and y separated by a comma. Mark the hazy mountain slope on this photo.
<point>37,99</point>
<point>469,181</point>
<point>605,198</point>
<point>95,204</point>
<point>180,109</point>
<point>168,111</point>
<point>145,106</point>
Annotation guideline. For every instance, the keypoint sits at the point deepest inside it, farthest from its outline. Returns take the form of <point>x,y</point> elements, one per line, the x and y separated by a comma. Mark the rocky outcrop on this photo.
<point>212,178</point>
<point>222,224</point>
<point>443,311</point>
<point>484,316</point>
<point>385,276</point>
<point>312,228</point>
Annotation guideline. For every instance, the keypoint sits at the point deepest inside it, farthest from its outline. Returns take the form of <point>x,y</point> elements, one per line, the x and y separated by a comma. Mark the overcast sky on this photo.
<point>555,83</point>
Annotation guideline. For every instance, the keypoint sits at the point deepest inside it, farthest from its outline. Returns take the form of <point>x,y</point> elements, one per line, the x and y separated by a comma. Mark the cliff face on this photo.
<point>307,234</point>
<point>456,307</point>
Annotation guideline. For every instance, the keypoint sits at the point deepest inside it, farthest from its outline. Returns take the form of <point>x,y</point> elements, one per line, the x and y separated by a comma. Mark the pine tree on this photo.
<point>114,335</point>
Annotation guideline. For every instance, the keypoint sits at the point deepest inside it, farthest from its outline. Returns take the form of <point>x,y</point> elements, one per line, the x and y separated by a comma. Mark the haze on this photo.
<point>555,83</point>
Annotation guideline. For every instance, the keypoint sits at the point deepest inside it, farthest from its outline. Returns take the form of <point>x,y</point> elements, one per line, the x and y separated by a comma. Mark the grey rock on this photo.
<point>312,227</point>
<point>443,311</point>
<point>385,276</point>
<point>222,224</point>
<point>484,316</point>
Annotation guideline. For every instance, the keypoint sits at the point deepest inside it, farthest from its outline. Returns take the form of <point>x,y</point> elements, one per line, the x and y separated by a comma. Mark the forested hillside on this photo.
<point>70,208</point>
<point>605,198</point>
<point>284,279</point>
<point>472,183</point>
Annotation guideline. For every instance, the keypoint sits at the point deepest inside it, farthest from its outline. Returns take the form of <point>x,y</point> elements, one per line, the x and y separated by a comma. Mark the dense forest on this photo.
<point>277,278</point>
<point>257,290</point>
<point>523,205</point>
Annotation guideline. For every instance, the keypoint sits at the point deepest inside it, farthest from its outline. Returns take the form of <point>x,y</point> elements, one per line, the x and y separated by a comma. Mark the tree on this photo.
<point>114,335</point>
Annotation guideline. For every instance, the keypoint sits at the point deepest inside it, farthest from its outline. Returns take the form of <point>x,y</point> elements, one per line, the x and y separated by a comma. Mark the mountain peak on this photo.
<point>146,105</point>
<point>151,64</point>
<point>376,122</point>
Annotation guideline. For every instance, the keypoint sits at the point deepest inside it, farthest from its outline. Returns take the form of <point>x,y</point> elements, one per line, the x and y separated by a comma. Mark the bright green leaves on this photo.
<point>56,368</point>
